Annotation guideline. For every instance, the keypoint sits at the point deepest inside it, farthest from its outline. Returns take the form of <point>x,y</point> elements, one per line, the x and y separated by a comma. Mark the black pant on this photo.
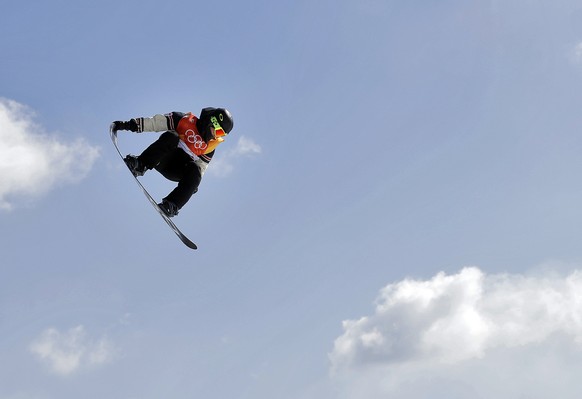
<point>174,164</point>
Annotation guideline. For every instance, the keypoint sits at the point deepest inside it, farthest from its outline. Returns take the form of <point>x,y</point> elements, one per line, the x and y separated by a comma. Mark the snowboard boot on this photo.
<point>134,165</point>
<point>169,208</point>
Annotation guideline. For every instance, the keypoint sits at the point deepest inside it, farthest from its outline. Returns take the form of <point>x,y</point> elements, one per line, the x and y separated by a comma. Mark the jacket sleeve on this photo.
<point>158,122</point>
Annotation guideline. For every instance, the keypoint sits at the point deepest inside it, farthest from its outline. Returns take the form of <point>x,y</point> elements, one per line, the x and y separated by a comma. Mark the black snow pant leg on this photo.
<point>154,154</point>
<point>187,185</point>
<point>178,166</point>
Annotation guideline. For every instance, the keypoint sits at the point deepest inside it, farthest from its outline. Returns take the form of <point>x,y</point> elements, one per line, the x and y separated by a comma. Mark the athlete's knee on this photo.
<point>170,137</point>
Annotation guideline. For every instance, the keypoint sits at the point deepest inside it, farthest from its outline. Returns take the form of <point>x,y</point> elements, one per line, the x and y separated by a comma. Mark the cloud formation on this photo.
<point>223,164</point>
<point>576,52</point>
<point>31,161</point>
<point>68,352</point>
<point>461,335</point>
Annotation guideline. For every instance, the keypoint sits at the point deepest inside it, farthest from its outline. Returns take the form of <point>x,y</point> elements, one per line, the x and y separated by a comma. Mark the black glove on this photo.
<point>127,125</point>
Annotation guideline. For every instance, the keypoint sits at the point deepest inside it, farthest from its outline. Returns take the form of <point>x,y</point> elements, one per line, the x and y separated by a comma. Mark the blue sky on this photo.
<point>396,212</point>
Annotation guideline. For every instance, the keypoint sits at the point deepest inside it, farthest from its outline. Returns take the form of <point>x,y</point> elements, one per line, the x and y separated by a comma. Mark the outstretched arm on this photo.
<point>156,123</point>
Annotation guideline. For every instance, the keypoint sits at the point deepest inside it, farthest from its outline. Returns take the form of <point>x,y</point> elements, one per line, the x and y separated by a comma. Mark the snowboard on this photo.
<point>169,221</point>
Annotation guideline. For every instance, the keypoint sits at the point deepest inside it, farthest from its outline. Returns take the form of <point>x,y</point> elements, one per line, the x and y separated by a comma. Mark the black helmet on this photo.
<point>210,116</point>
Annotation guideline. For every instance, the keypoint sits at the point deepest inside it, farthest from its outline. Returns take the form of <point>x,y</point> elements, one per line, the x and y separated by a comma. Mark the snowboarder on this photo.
<point>182,152</point>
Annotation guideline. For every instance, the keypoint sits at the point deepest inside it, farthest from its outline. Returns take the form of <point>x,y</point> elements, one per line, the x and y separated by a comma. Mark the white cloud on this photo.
<point>222,164</point>
<point>576,53</point>
<point>246,146</point>
<point>466,335</point>
<point>70,351</point>
<point>31,161</point>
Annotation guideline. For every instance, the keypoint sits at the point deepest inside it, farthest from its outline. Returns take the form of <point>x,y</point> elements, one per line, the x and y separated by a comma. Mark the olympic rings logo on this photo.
<point>195,140</point>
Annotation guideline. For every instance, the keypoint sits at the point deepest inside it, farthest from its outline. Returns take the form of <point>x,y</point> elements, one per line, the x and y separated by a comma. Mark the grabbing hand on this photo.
<point>125,125</point>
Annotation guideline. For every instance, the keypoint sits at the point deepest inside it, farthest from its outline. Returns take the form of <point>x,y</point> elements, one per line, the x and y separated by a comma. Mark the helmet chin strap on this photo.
<point>207,133</point>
